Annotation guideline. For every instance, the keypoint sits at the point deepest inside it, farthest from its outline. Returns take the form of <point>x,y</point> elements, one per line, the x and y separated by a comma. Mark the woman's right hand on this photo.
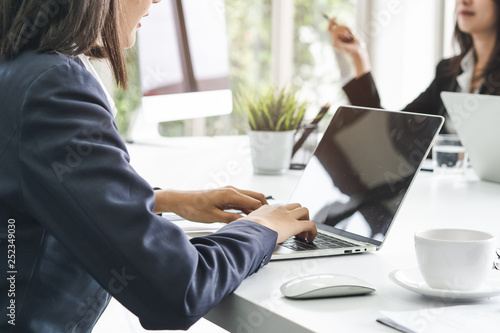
<point>288,221</point>
<point>344,40</point>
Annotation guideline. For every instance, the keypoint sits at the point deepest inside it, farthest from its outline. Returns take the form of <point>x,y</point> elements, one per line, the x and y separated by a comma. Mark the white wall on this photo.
<point>449,49</point>
<point>405,40</point>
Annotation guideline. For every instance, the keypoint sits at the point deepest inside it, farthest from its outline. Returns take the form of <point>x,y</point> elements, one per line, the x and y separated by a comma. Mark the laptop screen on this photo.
<point>362,168</point>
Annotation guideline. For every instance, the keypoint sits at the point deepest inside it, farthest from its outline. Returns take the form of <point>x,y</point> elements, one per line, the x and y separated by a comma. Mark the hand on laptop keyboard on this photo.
<point>287,220</point>
<point>322,241</point>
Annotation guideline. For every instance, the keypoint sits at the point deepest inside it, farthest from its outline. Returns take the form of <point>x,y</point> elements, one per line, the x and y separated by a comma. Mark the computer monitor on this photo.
<point>183,61</point>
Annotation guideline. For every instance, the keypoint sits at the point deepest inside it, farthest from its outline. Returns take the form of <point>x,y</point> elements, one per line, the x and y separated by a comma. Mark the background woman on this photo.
<point>476,69</point>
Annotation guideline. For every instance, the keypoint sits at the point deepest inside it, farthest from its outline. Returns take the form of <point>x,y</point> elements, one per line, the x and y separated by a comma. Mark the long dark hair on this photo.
<point>491,72</point>
<point>68,27</point>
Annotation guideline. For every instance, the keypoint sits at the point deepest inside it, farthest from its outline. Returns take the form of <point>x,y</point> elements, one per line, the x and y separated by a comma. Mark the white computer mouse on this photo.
<point>325,285</point>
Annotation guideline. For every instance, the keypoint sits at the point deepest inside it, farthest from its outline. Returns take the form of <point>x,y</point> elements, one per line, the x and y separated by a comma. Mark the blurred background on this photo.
<point>285,42</point>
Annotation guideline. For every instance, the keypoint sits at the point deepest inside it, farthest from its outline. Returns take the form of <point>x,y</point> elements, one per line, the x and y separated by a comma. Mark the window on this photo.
<point>183,57</point>
<point>251,33</point>
<point>314,65</point>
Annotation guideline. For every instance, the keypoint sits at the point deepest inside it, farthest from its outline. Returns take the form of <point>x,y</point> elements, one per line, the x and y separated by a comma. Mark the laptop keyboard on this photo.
<point>321,241</point>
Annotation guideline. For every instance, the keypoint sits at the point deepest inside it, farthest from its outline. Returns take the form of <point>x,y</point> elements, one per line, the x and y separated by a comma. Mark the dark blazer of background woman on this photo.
<point>363,91</point>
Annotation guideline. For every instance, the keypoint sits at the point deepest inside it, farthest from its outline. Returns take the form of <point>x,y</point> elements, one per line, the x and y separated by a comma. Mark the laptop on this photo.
<point>476,118</point>
<point>356,180</point>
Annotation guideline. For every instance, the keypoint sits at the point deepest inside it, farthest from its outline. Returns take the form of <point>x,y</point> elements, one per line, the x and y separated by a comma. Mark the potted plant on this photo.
<point>273,118</point>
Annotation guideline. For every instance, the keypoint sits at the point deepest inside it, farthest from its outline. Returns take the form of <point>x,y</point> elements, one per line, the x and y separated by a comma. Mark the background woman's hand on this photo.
<point>208,205</point>
<point>343,38</point>
<point>345,41</point>
<point>288,221</point>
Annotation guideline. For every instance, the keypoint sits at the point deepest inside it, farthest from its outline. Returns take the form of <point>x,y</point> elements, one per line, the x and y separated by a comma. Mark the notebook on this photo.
<point>476,118</point>
<point>357,178</point>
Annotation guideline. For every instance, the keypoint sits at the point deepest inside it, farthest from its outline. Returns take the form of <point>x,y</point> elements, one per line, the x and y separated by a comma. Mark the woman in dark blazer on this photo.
<point>476,69</point>
<point>78,224</point>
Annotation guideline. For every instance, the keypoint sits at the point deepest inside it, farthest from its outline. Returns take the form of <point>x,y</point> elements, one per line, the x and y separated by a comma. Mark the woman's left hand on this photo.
<point>208,205</point>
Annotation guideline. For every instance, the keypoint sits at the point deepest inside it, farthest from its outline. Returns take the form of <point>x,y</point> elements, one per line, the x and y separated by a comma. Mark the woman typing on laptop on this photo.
<point>476,69</point>
<point>80,220</point>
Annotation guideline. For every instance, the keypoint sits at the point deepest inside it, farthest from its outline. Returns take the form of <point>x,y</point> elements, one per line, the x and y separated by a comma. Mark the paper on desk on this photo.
<point>460,318</point>
<point>188,226</point>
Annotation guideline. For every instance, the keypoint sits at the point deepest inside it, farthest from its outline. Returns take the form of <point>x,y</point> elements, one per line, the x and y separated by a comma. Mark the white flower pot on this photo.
<point>271,151</point>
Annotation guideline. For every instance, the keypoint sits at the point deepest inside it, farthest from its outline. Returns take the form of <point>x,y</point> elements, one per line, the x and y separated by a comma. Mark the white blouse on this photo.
<point>465,78</point>
<point>92,71</point>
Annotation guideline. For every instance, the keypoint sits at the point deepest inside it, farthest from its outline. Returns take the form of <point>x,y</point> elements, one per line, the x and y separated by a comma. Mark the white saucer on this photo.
<point>411,279</point>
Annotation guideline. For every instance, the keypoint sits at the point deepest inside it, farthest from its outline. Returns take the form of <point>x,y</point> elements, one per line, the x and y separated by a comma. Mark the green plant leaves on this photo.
<point>271,110</point>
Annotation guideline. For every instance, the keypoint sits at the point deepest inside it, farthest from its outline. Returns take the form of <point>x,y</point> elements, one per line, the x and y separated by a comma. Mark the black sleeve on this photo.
<point>362,91</point>
<point>429,101</point>
<point>78,182</point>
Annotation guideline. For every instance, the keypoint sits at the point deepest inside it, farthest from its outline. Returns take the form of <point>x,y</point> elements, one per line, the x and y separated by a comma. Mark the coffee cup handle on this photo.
<point>496,262</point>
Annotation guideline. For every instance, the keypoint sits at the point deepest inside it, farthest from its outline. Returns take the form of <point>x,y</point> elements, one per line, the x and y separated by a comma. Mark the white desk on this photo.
<point>257,305</point>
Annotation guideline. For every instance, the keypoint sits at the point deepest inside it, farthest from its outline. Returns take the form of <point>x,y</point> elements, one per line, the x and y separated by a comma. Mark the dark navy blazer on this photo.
<point>84,226</point>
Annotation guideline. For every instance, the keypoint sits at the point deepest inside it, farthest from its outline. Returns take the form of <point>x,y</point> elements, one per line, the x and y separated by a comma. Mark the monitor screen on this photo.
<point>361,170</point>
<point>183,60</point>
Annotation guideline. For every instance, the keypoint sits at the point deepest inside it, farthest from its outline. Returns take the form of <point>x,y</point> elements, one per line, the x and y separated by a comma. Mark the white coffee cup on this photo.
<point>455,259</point>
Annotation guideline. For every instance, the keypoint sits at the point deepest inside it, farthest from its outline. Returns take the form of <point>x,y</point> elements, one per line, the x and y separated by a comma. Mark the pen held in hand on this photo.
<point>347,37</point>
